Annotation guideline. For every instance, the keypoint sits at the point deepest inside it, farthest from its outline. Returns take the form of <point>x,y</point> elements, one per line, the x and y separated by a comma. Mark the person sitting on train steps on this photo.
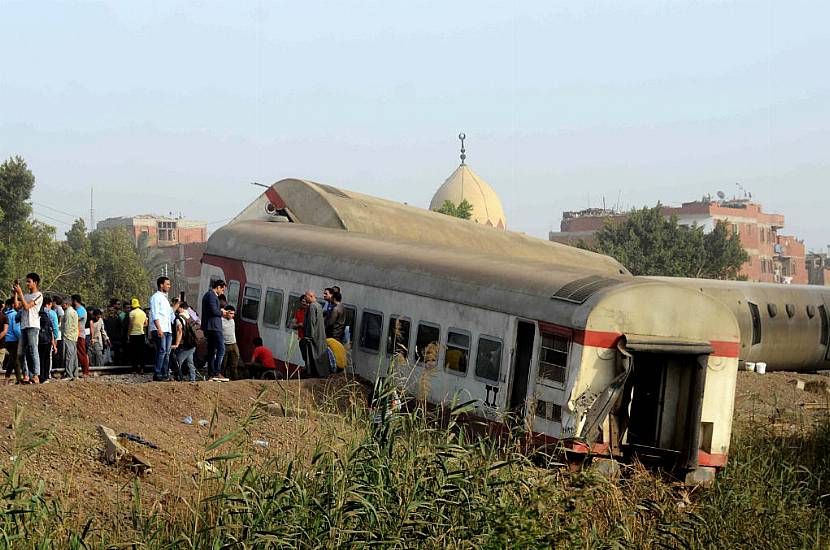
<point>212,314</point>
<point>262,359</point>
<point>184,343</point>
<point>231,364</point>
<point>335,316</point>
<point>314,341</point>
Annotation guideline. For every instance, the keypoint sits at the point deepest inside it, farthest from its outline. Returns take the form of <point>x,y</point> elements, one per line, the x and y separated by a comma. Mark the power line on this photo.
<point>73,216</point>
<point>39,215</point>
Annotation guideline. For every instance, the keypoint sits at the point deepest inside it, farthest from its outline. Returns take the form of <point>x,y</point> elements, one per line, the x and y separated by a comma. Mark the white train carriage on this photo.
<point>594,358</point>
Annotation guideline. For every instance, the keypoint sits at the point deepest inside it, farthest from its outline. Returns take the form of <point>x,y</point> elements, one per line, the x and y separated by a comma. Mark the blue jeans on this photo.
<point>215,351</point>
<point>163,344</point>
<point>184,359</point>
<point>30,351</point>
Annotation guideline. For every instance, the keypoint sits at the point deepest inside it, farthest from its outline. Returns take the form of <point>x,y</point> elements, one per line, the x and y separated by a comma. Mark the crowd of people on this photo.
<point>40,333</point>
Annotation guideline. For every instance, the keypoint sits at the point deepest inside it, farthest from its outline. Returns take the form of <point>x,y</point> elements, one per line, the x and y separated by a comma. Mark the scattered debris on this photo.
<point>187,420</point>
<point>815,406</point>
<point>137,439</point>
<point>816,386</point>
<point>206,467</point>
<point>115,452</point>
<point>261,443</point>
<point>798,383</point>
<point>204,423</point>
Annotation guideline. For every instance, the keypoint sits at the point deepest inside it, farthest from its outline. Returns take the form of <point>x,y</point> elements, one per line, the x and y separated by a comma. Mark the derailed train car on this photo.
<point>584,353</point>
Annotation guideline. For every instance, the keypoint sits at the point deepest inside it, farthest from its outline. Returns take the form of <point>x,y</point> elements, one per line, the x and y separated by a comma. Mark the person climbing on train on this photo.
<point>314,341</point>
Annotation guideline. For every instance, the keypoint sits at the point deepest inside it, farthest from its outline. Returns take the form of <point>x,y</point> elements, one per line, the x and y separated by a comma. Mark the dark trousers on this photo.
<point>45,353</point>
<point>11,360</point>
<point>83,358</point>
<point>307,351</point>
<point>215,351</point>
<point>137,352</point>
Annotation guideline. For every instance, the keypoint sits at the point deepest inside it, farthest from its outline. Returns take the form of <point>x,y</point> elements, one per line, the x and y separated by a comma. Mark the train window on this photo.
<point>825,324</point>
<point>548,410</point>
<point>553,359</point>
<point>458,351</point>
<point>488,358</point>
<point>251,298</point>
<point>232,293</point>
<point>371,329</point>
<point>427,343</point>
<point>397,337</point>
<point>811,311</point>
<point>351,315</point>
<point>790,310</point>
<point>772,309</point>
<point>755,313</point>
<point>273,307</point>
<point>293,306</point>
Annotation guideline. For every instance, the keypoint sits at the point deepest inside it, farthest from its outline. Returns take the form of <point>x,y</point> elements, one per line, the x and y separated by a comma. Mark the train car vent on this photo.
<point>790,310</point>
<point>581,289</point>
<point>772,309</point>
<point>333,191</point>
<point>811,311</point>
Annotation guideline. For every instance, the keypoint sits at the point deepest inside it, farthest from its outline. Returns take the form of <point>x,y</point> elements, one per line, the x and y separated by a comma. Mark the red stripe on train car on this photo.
<point>726,349</point>
<point>275,198</point>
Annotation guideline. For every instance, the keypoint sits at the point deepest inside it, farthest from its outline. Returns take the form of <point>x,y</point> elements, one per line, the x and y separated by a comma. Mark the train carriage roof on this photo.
<point>527,287</point>
<point>308,203</point>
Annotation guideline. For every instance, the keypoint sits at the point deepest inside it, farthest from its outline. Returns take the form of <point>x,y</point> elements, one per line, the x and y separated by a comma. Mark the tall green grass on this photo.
<point>411,482</point>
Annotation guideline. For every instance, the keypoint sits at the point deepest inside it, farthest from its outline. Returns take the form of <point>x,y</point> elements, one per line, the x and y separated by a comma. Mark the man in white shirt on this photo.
<point>30,305</point>
<point>161,327</point>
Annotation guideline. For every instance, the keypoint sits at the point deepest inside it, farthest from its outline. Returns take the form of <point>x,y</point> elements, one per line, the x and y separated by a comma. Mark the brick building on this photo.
<point>177,246</point>
<point>772,257</point>
<point>818,268</point>
<point>159,230</point>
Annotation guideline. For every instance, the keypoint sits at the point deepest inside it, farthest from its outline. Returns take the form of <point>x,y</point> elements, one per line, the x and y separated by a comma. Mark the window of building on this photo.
<point>232,293</point>
<point>755,313</point>
<point>553,359</point>
<point>273,307</point>
<point>488,358</point>
<point>457,355</point>
<point>736,229</point>
<point>427,344</point>
<point>293,306</point>
<point>166,231</point>
<point>371,329</point>
<point>397,337</point>
<point>251,297</point>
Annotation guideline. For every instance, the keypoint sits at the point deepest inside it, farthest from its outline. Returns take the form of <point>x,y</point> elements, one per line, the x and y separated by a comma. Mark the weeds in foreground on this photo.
<point>406,481</point>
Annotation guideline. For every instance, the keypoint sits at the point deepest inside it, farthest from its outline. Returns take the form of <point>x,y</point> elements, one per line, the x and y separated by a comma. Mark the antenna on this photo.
<point>462,136</point>
<point>91,209</point>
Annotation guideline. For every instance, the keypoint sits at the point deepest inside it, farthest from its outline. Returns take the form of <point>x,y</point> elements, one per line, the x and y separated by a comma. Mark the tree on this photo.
<point>118,265</point>
<point>83,276</point>
<point>648,243</point>
<point>463,210</point>
<point>16,184</point>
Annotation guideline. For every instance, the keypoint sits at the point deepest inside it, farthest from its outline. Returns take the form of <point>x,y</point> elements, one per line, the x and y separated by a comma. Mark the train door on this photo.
<point>666,402</point>
<point>522,358</point>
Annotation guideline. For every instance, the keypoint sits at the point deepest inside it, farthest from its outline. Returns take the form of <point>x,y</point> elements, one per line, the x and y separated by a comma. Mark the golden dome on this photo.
<point>466,184</point>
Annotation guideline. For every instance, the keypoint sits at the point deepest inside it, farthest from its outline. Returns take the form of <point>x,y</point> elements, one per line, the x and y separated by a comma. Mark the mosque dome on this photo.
<point>466,184</point>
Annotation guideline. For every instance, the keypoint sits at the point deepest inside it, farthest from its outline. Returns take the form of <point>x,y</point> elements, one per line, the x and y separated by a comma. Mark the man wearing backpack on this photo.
<point>184,343</point>
<point>47,343</point>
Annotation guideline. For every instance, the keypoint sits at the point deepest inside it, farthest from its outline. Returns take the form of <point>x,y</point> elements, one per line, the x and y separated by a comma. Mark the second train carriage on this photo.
<point>580,354</point>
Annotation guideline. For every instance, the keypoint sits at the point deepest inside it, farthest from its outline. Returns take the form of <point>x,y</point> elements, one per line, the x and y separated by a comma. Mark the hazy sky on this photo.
<point>176,106</point>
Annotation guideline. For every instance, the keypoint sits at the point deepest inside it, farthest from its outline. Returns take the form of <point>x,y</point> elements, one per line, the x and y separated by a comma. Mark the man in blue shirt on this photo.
<point>12,341</point>
<point>161,327</point>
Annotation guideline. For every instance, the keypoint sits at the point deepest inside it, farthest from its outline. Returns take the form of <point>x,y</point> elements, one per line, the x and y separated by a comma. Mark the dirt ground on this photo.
<point>67,413</point>
<point>71,464</point>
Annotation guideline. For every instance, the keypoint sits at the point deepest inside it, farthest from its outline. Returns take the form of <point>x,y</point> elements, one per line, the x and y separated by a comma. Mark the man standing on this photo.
<point>230,365</point>
<point>4,329</point>
<point>47,340</point>
<point>70,336</point>
<point>30,304</point>
<point>80,310</point>
<point>161,317</point>
<point>184,342</point>
<point>12,340</point>
<point>56,316</point>
<point>212,325</point>
<point>315,339</point>
<point>98,338</point>
<point>137,322</point>
<point>335,317</point>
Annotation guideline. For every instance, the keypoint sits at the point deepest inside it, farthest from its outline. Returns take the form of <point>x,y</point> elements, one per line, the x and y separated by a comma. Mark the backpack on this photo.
<point>189,336</point>
<point>45,334</point>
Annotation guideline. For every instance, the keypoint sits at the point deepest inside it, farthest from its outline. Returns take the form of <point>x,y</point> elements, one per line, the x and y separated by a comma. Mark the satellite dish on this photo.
<point>721,195</point>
